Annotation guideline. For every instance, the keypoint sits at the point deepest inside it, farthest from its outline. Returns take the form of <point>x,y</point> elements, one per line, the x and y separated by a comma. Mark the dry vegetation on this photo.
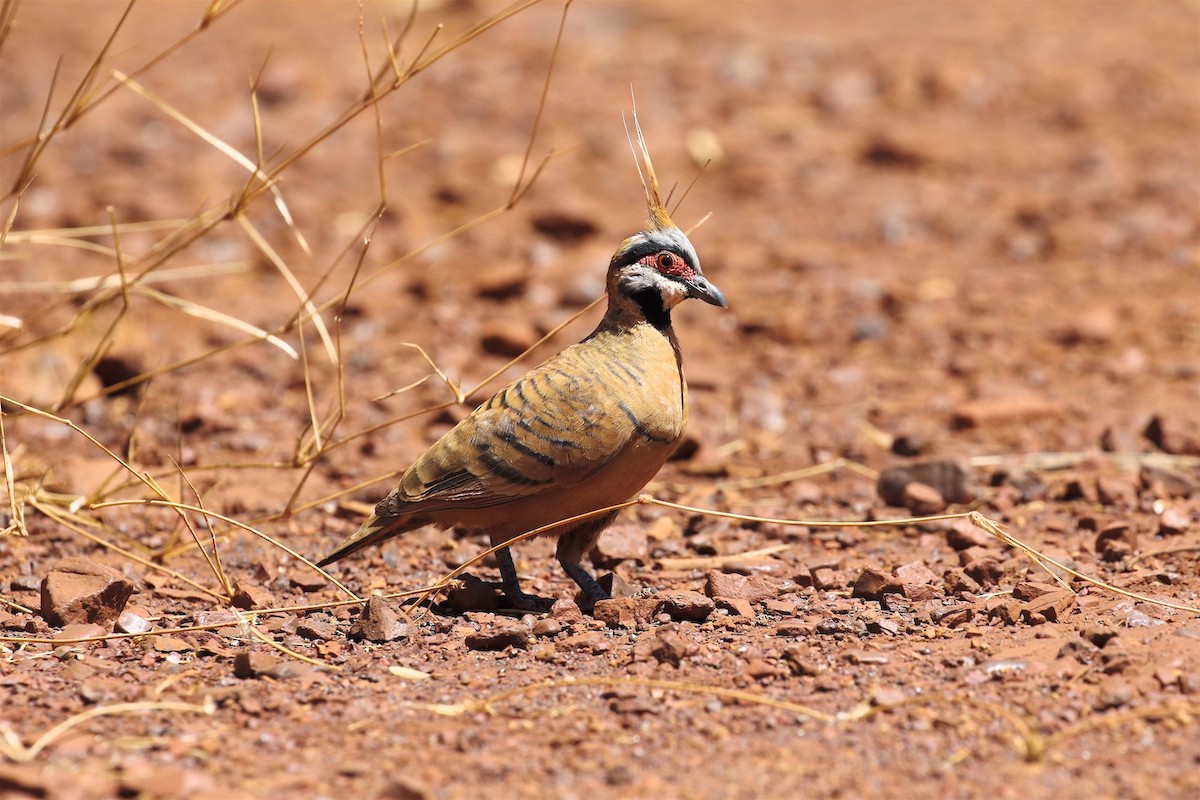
<point>228,314</point>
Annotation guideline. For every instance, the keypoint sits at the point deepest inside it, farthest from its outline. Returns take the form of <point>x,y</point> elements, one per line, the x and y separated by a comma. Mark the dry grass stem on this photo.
<point>1042,559</point>
<point>262,637</point>
<point>229,521</point>
<point>293,283</point>
<point>82,285</point>
<point>212,315</point>
<point>76,523</point>
<point>16,509</point>
<point>12,748</point>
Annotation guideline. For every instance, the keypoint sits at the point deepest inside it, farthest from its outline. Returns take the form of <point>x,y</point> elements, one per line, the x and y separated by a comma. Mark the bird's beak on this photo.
<point>701,289</point>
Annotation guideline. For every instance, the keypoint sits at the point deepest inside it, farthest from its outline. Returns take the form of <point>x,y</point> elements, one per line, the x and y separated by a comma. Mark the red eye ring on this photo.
<point>665,261</point>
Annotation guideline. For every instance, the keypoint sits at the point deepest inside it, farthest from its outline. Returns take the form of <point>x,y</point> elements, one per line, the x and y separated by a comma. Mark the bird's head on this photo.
<point>663,262</point>
<point>658,267</point>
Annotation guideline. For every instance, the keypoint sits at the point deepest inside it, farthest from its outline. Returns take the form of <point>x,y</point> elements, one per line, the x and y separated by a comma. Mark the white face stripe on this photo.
<point>638,277</point>
<point>673,292</point>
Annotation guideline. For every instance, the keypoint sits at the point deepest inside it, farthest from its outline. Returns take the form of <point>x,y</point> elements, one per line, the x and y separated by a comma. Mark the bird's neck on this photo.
<point>649,303</point>
<point>627,309</point>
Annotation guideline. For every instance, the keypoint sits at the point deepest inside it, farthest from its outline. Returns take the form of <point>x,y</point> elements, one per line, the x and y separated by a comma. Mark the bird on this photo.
<point>586,429</point>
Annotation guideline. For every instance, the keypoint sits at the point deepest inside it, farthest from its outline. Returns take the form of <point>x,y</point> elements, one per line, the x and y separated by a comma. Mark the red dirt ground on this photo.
<point>949,232</point>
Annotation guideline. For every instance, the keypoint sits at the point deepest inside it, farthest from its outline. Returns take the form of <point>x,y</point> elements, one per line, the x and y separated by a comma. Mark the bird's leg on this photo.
<point>512,585</point>
<point>586,582</point>
<point>571,547</point>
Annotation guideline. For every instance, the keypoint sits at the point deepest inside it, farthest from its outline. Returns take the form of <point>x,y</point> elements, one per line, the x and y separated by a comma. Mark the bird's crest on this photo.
<point>660,219</point>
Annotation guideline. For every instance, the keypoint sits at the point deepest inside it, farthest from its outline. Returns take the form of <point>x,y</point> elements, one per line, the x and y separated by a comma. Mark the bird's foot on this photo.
<point>591,591</point>
<point>529,602</point>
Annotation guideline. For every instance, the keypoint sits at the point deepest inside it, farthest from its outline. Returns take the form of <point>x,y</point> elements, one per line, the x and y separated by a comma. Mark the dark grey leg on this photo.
<point>572,546</point>
<point>512,585</point>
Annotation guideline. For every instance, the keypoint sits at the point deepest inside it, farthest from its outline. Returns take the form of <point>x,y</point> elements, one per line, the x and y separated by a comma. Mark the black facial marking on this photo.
<point>650,247</point>
<point>651,302</point>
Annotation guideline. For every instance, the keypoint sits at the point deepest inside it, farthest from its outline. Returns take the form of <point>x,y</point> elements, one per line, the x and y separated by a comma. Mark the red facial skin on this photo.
<point>669,263</point>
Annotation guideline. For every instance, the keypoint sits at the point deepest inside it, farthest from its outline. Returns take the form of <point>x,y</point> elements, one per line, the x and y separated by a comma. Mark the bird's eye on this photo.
<point>664,260</point>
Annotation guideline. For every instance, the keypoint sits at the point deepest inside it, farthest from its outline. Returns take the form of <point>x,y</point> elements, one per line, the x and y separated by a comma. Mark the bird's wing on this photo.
<point>551,429</point>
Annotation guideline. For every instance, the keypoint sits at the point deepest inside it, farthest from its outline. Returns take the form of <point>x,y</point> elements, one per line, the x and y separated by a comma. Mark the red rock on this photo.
<point>23,780</point>
<point>1004,609</point>
<point>1081,650</point>
<point>102,690</point>
<point>247,596</point>
<point>962,534</point>
<point>499,638</point>
<point>501,280</point>
<point>263,665</point>
<point>1054,606</point>
<point>914,572</point>
<point>758,669</point>
<point>593,641</point>
<point>685,605</point>
<point>873,584</point>
<point>621,543</point>
<point>946,478</point>
<point>404,787</point>
<point>249,665</point>
<point>1114,693</point>
<point>81,630</point>
<point>547,626</point>
<point>865,657</point>
<point>615,585</point>
<point>957,617</point>
<point>508,338</point>
<point>782,608</point>
<point>564,225</point>
<point>737,606</point>
<point>1113,490</point>
<point>1164,483</point>
<point>669,647</point>
<point>888,697</point>
<point>142,779</point>
<point>1116,541</point>
<point>807,492</point>
<point>662,529</point>
<point>1099,635</point>
<point>1174,521</point>
<point>923,500</point>
<point>566,612</point>
<point>77,590</point>
<point>983,570</point>
<point>918,592</point>
<point>955,580</point>
<point>1032,590</point>
<point>984,413</point>
<point>1096,325</point>
<point>318,627</point>
<point>801,662</point>
<point>794,629</point>
<point>306,580</point>
<point>625,612</point>
<point>379,623</point>
<point>1168,437</point>
<point>734,586</point>
<point>171,644</point>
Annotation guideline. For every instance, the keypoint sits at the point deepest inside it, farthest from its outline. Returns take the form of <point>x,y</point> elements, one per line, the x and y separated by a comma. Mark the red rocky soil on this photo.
<point>961,234</point>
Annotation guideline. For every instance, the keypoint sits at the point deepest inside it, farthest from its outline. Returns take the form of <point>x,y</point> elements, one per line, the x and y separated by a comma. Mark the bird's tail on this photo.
<point>374,531</point>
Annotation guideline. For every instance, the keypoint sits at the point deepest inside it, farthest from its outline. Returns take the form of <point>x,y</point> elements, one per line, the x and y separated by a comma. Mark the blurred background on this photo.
<point>969,227</point>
